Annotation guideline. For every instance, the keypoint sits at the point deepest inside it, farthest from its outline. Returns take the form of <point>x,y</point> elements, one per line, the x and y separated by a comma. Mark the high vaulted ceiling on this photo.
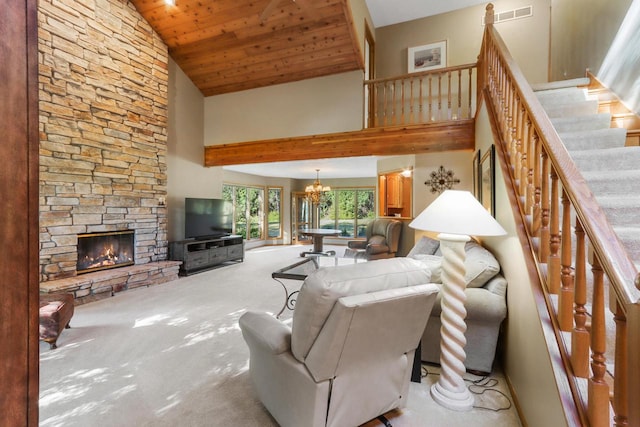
<point>232,45</point>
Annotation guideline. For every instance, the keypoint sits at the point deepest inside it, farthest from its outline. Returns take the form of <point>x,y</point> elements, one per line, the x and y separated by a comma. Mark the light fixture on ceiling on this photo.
<point>314,191</point>
<point>456,215</point>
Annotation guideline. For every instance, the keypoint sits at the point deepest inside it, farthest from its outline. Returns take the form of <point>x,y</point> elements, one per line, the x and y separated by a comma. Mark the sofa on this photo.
<point>382,240</point>
<point>486,303</point>
<point>348,356</point>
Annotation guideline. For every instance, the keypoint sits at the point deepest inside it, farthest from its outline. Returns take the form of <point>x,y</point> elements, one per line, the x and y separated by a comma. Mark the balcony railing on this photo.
<point>424,97</point>
<point>567,230</point>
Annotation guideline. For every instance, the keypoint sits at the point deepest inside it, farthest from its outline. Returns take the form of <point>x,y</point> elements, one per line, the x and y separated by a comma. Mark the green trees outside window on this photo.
<point>249,211</point>
<point>348,210</point>
<point>274,216</point>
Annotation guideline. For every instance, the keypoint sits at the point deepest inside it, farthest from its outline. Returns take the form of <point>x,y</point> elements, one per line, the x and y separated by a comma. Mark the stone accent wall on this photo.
<point>103,77</point>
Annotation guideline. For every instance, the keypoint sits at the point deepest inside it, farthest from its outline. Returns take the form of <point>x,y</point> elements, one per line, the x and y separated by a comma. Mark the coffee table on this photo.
<point>301,269</point>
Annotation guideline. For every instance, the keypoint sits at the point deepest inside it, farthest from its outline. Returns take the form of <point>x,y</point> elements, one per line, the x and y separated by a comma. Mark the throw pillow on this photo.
<point>425,246</point>
<point>480,265</point>
<point>433,263</point>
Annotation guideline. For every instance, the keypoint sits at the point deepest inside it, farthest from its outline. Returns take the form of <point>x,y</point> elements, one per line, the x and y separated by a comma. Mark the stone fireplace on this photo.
<point>103,106</point>
<point>103,251</point>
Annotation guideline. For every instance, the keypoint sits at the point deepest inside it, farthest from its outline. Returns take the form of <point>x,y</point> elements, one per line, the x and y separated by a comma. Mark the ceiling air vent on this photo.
<point>510,15</point>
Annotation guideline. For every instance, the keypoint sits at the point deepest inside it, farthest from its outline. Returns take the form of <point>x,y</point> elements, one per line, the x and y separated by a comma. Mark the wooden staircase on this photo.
<point>610,166</point>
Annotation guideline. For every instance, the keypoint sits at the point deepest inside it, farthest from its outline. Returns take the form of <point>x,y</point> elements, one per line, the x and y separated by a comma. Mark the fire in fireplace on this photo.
<point>100,251</point>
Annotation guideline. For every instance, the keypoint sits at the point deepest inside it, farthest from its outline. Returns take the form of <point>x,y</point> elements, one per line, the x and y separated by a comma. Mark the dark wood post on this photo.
<point>19,214</point>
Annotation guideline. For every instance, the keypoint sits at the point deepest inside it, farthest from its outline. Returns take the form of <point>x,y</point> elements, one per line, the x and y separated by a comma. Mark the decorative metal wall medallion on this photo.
<point>441,180</point>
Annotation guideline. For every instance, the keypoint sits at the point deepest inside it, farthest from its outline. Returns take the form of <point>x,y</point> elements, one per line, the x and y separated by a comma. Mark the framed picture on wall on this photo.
<point>487,180</point>
<point>427,57</point>
<point>476,176</point>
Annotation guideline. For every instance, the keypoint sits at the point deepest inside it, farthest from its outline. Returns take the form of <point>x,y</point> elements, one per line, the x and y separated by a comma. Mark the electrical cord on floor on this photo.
<point>479,387</point>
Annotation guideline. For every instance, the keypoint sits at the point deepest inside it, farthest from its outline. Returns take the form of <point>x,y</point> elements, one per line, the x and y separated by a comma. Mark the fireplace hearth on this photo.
<point>101,251</point>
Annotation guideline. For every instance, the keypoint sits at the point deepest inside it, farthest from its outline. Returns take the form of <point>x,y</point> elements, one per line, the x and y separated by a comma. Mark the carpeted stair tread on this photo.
<point>561,96</point>
<point>612,181</point>
<point>586,122</point>
<point>621,210</point>
<point>622,158</point>
<point>572,108</point>
<point>559,84</point>
<point>611,169</point>
<point>594,139</point>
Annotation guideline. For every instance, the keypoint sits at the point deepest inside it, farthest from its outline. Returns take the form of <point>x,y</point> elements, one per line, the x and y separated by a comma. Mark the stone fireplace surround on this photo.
<point>103,101</point>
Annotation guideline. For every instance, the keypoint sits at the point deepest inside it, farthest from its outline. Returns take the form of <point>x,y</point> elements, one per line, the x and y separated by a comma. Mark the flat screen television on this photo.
<point>207,218</point>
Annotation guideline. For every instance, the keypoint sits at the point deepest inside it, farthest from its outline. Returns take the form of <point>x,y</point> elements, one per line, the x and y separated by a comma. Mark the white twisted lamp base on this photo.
<point>450,391</point>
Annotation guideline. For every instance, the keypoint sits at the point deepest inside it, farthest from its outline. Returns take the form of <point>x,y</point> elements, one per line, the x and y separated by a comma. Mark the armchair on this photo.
<point>382,240</point>
<point>348,355</point>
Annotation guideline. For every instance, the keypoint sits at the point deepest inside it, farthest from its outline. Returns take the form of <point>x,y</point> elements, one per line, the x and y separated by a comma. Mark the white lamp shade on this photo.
<point>457,212</point>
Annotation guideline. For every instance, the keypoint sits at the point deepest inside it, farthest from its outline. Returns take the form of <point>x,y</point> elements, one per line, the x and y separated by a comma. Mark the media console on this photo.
<point>200,255</point>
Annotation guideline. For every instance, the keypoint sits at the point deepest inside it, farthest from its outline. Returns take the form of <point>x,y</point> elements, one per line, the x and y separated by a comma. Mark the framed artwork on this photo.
<point>476,176</point>
<point>487,180</point>
<point>427,57</point>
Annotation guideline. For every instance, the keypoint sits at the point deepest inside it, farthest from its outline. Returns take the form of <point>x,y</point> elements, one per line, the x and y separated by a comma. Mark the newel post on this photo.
<point>489,16</point>
<point>484,57</point>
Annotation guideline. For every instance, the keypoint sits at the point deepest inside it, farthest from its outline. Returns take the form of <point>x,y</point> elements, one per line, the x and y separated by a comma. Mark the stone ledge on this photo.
<point>102,284</point>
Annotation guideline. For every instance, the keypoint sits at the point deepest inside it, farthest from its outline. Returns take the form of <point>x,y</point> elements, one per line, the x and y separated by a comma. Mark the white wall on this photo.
<point>527,38</point>
<point>308,107</point>
<point>186,175</point>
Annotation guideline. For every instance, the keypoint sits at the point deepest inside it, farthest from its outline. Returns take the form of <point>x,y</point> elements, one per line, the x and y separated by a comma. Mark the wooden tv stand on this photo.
<point>201,255</point>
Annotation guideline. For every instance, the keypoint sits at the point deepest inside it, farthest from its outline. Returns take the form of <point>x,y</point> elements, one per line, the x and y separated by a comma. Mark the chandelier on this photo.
<point>314,191</point>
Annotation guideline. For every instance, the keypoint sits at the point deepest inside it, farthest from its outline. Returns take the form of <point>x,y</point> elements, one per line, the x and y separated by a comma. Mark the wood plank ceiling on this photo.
<point>231,45</point>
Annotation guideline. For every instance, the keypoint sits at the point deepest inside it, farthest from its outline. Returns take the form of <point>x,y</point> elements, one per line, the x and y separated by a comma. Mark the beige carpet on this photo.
<point>173,355</point>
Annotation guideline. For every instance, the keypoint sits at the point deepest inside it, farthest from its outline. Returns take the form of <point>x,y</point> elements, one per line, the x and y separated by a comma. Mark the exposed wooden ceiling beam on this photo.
<point>417,139</point>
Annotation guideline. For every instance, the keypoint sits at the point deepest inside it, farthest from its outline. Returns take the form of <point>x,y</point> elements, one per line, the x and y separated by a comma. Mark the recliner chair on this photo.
<point>348,355</point>
<point>383,240</point>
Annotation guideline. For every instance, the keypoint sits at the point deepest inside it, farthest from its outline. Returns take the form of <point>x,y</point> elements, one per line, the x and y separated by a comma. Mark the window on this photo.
<point>274,209</point>
<point>348,210</point>
<point>248,210</point>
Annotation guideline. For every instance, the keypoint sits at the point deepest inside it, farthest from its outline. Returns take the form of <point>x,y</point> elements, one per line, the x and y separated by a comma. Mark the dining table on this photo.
<point>317,235</point>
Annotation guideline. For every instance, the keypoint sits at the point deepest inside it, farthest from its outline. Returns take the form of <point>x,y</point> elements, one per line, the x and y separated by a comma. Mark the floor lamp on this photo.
<point>456,215</point>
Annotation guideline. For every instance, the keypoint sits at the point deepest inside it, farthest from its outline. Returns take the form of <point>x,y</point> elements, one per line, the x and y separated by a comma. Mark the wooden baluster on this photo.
<point>508,93</point>
<point>598,390</point>
<point>402,102</point>
<point>431,118</point>
<point>580,336</point>
<point>621,374</point>
<point>384,104</point>
<point>411,101</point>
<point>449,95</point>
<point>545,237</point>
<point>521,158</point>
<point>508,135</point>
<point>553,269</point>
<point>523,137</point>
<point>459,109</point>
<point>421,104</point>
<point>565,305</point>
<point>440,96</point>
<point>537,180</point>
<point>394,103</point>
<point>469,112</point>
<point>531,164</point>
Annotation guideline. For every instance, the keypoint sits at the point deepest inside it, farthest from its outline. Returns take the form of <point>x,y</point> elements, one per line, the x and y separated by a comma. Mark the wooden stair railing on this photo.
<point>424,97</point>
<point>566,229</point>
